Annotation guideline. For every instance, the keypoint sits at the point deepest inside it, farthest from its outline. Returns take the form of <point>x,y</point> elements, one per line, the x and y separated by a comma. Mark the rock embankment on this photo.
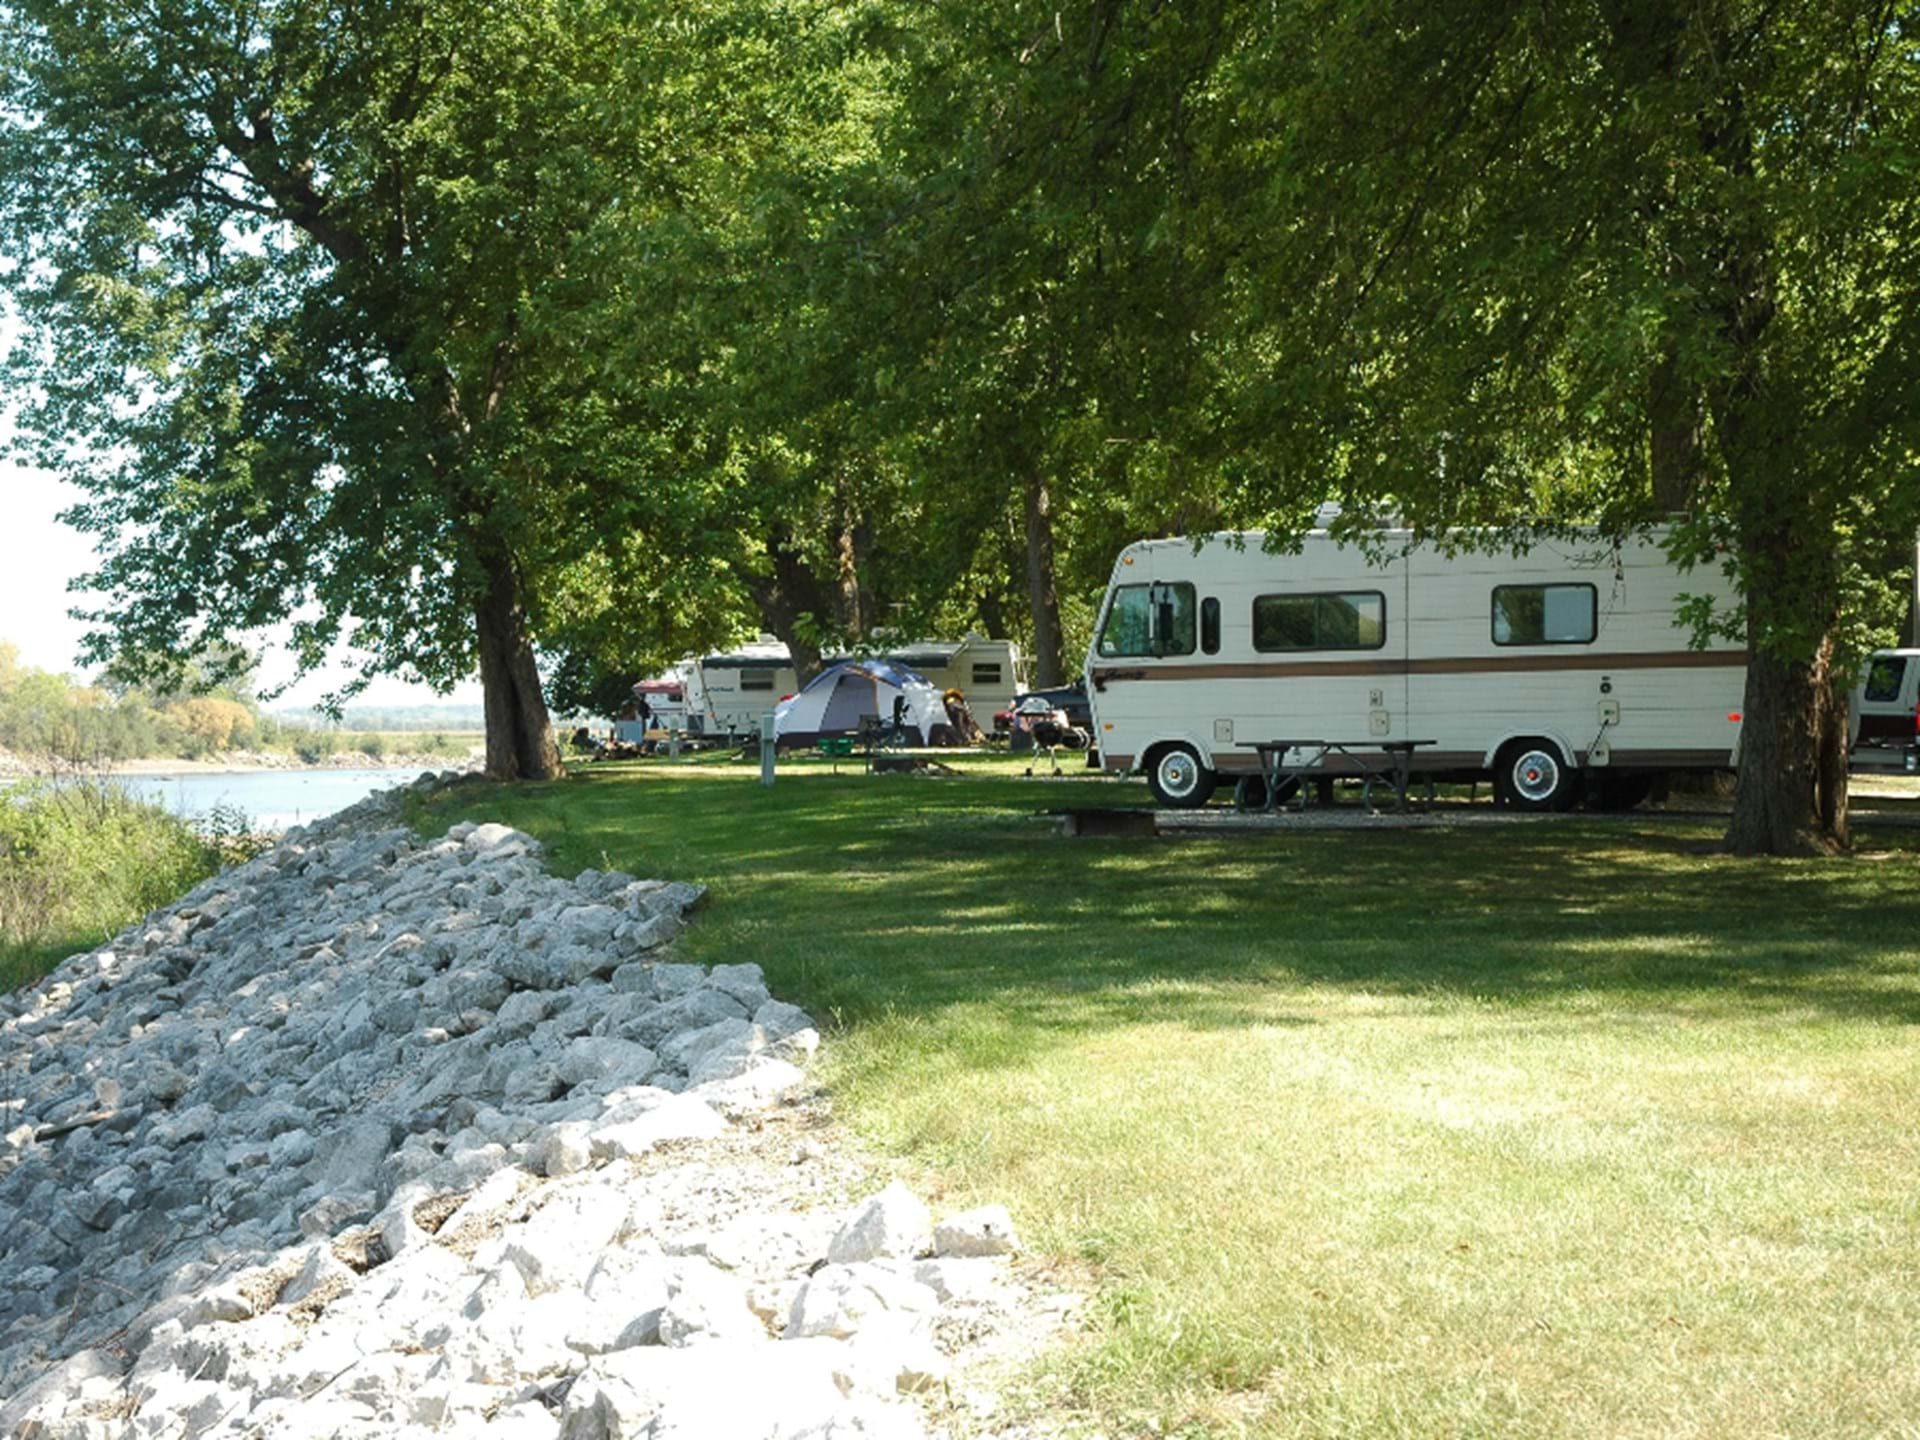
<point>377,1135</point>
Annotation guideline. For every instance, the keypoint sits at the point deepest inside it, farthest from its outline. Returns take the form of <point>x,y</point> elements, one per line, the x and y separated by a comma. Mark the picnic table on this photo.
<point>837,748</point>
<point>1276,770</point>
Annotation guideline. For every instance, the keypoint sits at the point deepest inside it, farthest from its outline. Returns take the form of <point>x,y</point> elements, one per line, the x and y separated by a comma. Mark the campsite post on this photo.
<point>673,740</point>
<point>766,748</point>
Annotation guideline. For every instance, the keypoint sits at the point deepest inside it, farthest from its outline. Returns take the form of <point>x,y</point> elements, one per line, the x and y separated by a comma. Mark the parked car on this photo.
<point>1884,714</point>
<point>1070,698</point>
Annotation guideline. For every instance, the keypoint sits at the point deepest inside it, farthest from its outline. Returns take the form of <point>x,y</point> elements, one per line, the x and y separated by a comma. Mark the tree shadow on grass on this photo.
<point>865,899</point>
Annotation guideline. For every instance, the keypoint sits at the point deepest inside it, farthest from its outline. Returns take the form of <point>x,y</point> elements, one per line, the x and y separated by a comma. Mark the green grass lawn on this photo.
<point>1566,1129</point>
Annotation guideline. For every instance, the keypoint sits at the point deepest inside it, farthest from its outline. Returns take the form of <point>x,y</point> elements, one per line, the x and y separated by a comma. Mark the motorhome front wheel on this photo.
<point>1178,779</point>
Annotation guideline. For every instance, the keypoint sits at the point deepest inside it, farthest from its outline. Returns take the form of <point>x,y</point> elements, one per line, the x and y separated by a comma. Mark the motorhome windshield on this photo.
<point>1149,620</point>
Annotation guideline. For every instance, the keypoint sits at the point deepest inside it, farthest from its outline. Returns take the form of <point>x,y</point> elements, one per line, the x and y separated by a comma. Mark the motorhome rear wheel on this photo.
<point>1532,776</point>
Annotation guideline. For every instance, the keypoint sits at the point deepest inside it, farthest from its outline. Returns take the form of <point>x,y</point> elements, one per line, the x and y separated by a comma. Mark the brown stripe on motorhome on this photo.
<point>1616,660</point>
<point>1238,761</point>
<point>1671,759</point>
<point>1450,665</point>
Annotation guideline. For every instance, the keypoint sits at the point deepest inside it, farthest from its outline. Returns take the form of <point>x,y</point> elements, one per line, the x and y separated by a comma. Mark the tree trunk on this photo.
<point>1792,795</point>
<point>791,600</point>
<point>851,607</point>
<point>1043,600</point>
<point>520,742</point>
<point>992,610</point>
<point>1678,437</point>
<point>805,655</point>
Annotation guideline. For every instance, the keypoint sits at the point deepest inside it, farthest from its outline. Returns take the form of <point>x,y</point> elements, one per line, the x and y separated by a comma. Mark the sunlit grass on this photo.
<point>1563,1130</point>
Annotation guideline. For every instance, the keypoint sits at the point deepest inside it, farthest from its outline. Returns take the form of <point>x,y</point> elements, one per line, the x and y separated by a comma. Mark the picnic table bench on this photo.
<point>1276,771</point>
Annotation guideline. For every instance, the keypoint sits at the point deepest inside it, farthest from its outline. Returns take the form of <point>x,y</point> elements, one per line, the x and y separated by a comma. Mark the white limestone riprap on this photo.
<point>389,1136</point>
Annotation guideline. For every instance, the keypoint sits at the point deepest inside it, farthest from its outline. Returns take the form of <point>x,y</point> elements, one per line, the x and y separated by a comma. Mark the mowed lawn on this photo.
<point>1565,1129</point>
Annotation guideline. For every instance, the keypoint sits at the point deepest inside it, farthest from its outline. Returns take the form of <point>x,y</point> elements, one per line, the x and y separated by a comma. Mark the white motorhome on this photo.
<point>1541,669</point>
<point>728,692</point>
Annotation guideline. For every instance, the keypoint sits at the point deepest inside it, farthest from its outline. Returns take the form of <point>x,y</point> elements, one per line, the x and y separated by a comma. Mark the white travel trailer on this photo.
<point>728,692</point>
<point>665,699</point>
<point>1562,664</point>
<point>988,672</point>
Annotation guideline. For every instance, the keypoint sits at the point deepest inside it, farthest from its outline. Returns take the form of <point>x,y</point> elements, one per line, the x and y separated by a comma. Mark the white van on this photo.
<point>1541,668</point>
<point>1884,714</point>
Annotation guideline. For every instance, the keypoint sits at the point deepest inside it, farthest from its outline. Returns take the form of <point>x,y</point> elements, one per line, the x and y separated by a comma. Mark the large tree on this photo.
<point>1613,257</point>
<point>999,310</point>
<point>298,283</point>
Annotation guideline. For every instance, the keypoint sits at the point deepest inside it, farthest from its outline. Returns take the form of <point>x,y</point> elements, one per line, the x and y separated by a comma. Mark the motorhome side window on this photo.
<point>1355,620</point>
<point>756,679</point>
<point>985,674</point>
<point>1149,620</point>
<point>1545,614</point>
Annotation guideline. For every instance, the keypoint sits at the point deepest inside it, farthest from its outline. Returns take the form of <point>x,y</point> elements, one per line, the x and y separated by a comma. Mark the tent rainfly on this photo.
<point>836,700</point>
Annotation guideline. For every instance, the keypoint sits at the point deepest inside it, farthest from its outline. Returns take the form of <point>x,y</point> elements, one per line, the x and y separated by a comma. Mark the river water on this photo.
<point>272,799</point>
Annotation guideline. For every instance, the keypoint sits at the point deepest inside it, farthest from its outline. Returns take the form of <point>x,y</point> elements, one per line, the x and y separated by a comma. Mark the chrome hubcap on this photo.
<point>1178,773</point>
<point>1536,776</point>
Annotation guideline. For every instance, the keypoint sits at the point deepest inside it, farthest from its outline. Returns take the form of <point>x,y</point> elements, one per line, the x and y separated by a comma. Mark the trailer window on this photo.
<point>1545,614</point>
<point>1210,625</point>
<point>756,679</point>
<point>1884,677</point>
<point>1353,620</point>
<point>986,674</point>
<point>1133,628</point>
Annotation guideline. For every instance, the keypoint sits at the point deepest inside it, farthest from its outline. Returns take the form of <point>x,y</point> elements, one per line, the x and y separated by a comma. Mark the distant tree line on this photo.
<point>579,335</point>
<point>48,716</point>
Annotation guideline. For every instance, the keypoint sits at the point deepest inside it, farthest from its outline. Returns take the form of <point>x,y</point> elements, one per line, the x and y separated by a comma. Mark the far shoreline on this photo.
<point>413,763</point>
<point>228,765</point>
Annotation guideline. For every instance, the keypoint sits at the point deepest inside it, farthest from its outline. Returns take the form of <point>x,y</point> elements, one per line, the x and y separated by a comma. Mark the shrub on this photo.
<point>373,746</point>
<point>315,749</point>
<point>229,832</point>
<point>80,860</point>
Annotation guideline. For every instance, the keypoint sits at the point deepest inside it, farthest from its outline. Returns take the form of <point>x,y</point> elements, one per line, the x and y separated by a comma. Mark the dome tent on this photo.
<point>836,700</point>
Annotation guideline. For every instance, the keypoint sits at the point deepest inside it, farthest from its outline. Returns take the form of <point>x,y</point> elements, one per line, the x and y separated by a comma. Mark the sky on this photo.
<point>39,556</point>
